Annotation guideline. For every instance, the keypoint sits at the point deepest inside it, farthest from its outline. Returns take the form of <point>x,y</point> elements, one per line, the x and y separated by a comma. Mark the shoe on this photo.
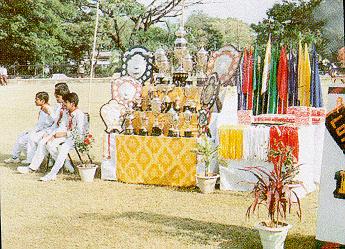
<point>48,178</point>
<point>51,163</point>
<point>25,162</point>
<point>24,170</point>
<point>12,160</point>
<point>69,167</point>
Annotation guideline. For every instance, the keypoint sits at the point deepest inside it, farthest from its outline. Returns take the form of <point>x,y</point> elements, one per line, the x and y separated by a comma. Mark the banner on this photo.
<point>331,212</point>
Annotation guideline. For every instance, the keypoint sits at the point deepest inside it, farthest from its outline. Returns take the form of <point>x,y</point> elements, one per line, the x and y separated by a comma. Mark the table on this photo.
<point>310,144</point>
<point>156,160</point>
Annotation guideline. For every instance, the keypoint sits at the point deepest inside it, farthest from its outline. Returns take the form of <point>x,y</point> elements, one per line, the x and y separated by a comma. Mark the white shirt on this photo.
<point>76,121</point>
<point>59,125</point>
<point>45,120</point>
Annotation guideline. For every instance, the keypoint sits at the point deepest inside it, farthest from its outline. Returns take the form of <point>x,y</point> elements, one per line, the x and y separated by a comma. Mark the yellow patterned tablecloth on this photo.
<point>156,160</point>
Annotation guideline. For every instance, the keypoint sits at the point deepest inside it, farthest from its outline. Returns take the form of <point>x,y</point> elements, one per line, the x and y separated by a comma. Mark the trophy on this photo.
<point>161,60</point>
<point>192,107</point>
<point>166,101</point>
<point>156,109</point>
<point>188,118</point>
<point>137,105</point>
<point>129,118</point>
<point>188,93</point>
<point>174,131</point>
<point>177,106</point>
<point>201,66</point>
<point>144,123</point>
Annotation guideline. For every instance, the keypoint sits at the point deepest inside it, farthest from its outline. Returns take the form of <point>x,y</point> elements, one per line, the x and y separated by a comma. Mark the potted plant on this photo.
<point>206,152</point>
<point>86,169</point>
<point>274,190</point>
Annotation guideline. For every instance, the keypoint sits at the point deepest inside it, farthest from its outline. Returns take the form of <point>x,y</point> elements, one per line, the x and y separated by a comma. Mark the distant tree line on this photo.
<point>60,32</point>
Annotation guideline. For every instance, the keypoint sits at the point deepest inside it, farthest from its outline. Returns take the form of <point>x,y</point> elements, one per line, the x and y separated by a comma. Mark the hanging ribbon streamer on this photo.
<point>109,157</point>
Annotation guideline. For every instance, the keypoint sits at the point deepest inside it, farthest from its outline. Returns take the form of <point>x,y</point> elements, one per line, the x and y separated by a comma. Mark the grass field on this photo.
<point>67,213</point>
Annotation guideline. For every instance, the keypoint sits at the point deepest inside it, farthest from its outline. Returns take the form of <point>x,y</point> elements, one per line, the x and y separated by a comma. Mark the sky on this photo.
<point>249,11</point>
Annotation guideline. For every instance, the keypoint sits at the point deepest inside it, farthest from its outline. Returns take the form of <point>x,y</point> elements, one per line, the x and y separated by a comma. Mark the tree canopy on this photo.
<point>33,30</point>
<point>314,21</point>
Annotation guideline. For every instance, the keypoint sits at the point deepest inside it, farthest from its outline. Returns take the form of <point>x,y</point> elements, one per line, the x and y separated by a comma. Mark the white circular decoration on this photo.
<point>137,63</point>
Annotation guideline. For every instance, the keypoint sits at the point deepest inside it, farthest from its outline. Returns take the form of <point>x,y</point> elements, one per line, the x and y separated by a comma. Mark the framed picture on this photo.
<point>138,63</point>
<point>225,63</point>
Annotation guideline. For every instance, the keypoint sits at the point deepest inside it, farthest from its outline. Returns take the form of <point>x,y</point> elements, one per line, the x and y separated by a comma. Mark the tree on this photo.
<point>235,32</point>
<point>213,33</point>
<point>33,31</point>
<point>290,21</point>
<point>202,33</point>
<point>128,19</point>
<point>331,13</point>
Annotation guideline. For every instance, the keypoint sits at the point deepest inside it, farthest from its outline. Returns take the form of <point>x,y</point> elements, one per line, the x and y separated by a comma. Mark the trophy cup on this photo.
<point>144,124</point>
<point>188,93</point>
<point>166,101</point>
<point>156,109</point>
<point>129,129</point>
<point>192,107</point>
<point>160,59</point>
<point>201,66</point>
<point>177,106</point>
<point>137,106</point>
<point>188,118</point>
<point>174,131</point>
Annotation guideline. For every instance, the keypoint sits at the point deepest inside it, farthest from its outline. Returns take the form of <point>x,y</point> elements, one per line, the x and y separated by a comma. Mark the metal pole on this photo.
<point>93,55</point>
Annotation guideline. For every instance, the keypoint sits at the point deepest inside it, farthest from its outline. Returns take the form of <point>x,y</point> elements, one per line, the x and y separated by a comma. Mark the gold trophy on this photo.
<point>188,93</point>
<point>144,123</point>
<point>174,131</point>
<point>187,119</point>
<point>129,129</point>
<point>156,109</point>
<point>177,106</point>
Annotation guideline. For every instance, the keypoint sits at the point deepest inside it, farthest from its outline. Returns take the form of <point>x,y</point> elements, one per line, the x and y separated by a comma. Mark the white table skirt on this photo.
<point>310,159</point>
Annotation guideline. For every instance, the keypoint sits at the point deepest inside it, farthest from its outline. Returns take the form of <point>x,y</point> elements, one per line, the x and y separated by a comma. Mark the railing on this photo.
<point>47,71</point>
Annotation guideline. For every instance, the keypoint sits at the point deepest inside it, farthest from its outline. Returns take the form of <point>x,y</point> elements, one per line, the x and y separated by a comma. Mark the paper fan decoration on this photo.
<point>204,117</point>
<point>125,90</point>
<point>225,62</point>
<point>210,91</point>
<point>111,115</point>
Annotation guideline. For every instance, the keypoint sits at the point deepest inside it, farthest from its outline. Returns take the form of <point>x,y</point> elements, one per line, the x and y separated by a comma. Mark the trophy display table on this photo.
<point>153,160</point>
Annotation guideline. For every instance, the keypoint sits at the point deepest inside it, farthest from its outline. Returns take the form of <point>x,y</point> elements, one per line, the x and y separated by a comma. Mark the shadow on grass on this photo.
<point>300,241</point>
<point>202,232</point>
<point>12,166</point>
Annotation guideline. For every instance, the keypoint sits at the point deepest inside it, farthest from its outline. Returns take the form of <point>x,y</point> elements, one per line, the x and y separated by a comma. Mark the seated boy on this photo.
<point>45,120</point>
<point>61,89</point>
<point>76,124</point>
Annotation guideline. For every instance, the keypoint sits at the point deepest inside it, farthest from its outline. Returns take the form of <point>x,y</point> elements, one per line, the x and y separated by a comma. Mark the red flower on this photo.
<point>89,136</point>
<point>87,141</point>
